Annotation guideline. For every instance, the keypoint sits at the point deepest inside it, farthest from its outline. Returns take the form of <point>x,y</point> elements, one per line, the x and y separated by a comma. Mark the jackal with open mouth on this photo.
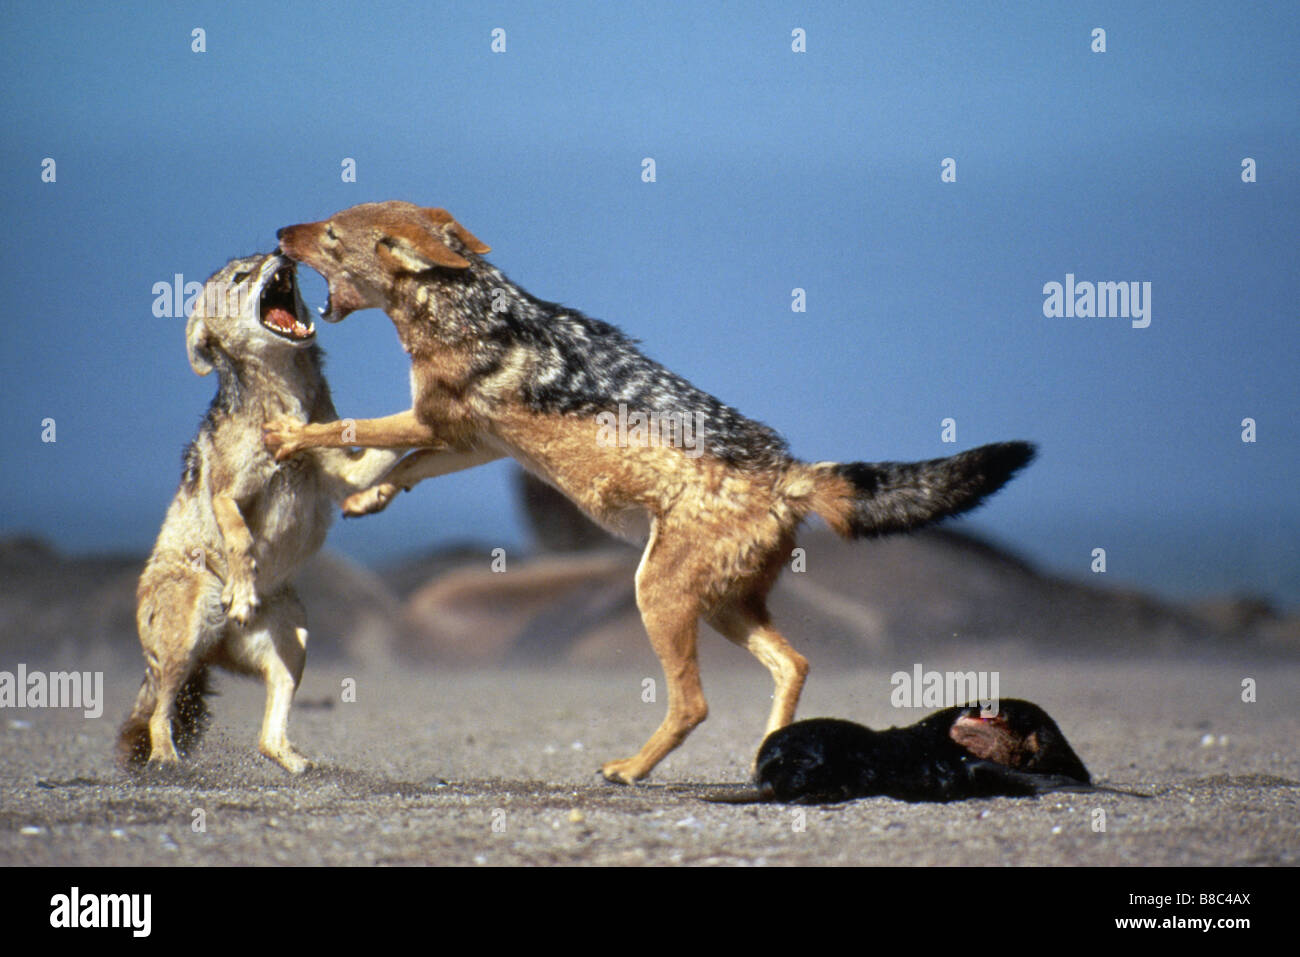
<point>496,371</point>
<point>216,590</point>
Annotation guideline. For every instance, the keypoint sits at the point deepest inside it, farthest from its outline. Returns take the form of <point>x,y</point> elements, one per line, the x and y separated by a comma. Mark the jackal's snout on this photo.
<point>296,241</point>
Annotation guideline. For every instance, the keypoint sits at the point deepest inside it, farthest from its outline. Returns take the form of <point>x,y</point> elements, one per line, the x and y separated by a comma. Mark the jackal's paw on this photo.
<point>163,757</point>
<point>371,500</point>
<point>240,600</point>
<point>621,772</point>
<point>283,437</point>
<point>289,758</point>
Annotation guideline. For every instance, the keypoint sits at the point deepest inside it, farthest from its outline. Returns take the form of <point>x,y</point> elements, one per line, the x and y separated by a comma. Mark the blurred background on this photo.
<point>774,170</point>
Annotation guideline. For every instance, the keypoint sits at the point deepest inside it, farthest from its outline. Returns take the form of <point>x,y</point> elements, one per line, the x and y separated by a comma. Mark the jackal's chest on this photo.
<point>289,520</point>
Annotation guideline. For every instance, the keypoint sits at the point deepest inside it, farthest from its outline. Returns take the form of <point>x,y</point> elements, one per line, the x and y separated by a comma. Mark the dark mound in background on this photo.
<point>572,599</point>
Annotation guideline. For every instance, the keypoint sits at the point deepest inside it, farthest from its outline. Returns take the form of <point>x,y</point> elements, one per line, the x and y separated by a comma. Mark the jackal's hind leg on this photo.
<point>276,649</point>
<point>747,623</point>
<point>670,611</point>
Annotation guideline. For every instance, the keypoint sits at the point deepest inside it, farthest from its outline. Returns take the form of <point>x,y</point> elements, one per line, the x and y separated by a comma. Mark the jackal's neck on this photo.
<point>479,304</point>
<point>288,381</point>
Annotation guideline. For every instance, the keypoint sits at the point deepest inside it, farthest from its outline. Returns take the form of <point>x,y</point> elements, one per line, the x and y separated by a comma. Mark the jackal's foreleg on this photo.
<point>286,437</point>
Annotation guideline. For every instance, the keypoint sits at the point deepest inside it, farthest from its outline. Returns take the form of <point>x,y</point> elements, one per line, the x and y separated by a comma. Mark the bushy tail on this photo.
<point>189,719</point>
<point>868,499</point>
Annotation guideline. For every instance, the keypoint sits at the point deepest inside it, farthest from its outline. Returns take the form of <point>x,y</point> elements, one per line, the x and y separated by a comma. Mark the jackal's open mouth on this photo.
<point>279,308</point>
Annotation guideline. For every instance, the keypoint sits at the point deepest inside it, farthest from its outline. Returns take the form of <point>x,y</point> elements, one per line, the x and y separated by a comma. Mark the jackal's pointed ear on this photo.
<point>441,217</point>
<point>196,343</point>
<point>412,249</point>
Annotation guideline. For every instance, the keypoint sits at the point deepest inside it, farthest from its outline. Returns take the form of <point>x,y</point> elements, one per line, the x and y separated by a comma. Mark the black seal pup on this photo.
<point>952,755</point>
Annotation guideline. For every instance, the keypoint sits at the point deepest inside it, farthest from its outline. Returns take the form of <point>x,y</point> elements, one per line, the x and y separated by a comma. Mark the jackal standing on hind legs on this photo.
<point>216,587</point>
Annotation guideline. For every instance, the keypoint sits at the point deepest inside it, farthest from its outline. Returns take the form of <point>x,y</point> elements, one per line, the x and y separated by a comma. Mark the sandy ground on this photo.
<point>497,768</point>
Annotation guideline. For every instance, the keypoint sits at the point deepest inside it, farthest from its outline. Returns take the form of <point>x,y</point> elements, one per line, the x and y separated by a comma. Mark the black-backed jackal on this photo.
<point>716,496</point>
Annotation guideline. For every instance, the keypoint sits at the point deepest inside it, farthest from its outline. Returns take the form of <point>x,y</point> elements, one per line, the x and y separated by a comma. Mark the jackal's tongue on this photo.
<point>282,319</point>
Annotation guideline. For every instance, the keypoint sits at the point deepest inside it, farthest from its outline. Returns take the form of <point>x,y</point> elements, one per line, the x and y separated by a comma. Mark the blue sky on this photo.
<point>775,170</point>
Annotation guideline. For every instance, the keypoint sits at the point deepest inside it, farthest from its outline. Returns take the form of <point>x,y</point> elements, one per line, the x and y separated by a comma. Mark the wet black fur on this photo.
<point>825,760</point>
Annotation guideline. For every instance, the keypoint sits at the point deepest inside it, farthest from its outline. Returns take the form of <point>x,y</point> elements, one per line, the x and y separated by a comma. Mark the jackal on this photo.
<point>496,371</point>
<point>215,589</point>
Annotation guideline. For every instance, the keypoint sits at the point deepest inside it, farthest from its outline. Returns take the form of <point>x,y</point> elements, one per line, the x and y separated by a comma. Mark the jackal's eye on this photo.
<point>241,276</point>
<point>329,231</point>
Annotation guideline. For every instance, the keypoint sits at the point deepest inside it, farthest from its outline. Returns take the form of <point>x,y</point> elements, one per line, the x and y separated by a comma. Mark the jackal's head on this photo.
<point>249,308</point>
<point>363,249</point>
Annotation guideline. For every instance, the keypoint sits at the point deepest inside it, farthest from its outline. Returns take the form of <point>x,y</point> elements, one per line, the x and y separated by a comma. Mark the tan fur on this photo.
<point>718,535</point>
<point>216,590</point>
